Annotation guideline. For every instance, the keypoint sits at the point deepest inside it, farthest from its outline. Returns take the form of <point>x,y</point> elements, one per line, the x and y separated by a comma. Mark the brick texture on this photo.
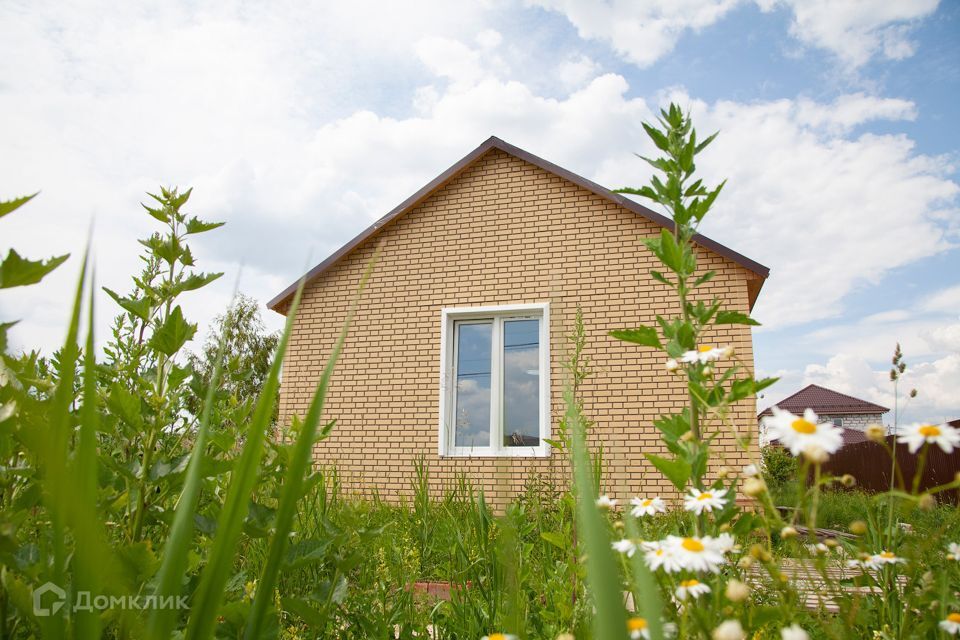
<point>502,232</point>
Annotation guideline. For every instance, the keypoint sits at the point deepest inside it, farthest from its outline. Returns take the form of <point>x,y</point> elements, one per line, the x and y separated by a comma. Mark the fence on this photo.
<point>869,463</point>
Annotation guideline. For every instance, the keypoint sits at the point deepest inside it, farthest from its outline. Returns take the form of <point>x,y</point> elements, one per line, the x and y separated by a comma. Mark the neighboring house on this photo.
<point>456,351</point>
<point>852,414</point>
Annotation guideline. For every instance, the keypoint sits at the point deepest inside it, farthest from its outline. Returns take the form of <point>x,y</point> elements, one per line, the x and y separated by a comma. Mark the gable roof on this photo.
<point>278,302</point>
<point>824,401</point>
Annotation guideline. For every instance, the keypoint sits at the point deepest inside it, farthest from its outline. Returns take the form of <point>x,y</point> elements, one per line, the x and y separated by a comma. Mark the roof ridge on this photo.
<point>493,142</point>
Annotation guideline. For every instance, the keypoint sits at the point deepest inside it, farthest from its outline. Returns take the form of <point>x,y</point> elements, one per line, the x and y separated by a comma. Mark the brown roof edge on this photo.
<point>760,271</point>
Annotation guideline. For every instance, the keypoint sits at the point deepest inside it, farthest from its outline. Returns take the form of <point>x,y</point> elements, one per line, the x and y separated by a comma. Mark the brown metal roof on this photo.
<point>278,302</point>
<point>824,402</point>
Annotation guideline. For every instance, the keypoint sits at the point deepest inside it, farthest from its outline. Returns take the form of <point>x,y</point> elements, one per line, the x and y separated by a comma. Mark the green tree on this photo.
<point>248,351</point>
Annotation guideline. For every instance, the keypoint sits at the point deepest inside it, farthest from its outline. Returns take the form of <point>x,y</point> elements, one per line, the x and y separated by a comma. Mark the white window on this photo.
<point>838,422</point>
<point>495,381</point>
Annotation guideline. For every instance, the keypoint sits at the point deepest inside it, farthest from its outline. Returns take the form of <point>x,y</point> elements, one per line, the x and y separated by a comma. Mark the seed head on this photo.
<point>876,433</point>
<point>754,487</point>
<point>858,527</point>
<point>737,591</point>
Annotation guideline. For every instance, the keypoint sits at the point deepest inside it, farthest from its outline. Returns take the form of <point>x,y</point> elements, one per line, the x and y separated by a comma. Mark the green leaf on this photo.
<point>707,277</point>
<point>17,272</point>
<point>159,214</point>
<point>195,225</point>
<point>173,334</point>
<point>140,308</point>
<point>555,538</point>
<point>672,255</point>
<point>734,317</point>
<point>8,206</point>
<point>676,470</point>
<point>196,281</point>
<point>661,278</point>
<point>646,336</point>
<point>125,405</point>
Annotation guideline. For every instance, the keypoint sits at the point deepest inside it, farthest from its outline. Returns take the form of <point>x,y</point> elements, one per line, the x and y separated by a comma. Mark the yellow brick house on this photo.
<point>456,347</point>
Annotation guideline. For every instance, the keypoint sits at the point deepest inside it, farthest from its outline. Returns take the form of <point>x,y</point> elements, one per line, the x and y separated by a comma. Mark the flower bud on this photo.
<point>751,471</point>
<point>815,454</point>
<point>831,543</point>
<point>876,433</point>
<point>926,502</point>
<point>687,437</point>
<point>728,352</point>
<point>708,370</point>
<point>788,532</point>
<point>728,630</point>
<point>724,472</point>
<point>672,365</point>
<point>725,527</point>
<point>848,480</point>
<point>759,553</point>
<point>737,591</point>
<point>794,632</point>
<point>618,525</point>
<point>858,527</point>
<point>913,393</point>
<point>745,562</point>
<point>754,487</point>
<point>565,636</point>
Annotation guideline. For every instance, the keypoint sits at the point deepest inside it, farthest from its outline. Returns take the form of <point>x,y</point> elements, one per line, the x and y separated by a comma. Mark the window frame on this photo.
<point>449,316</point>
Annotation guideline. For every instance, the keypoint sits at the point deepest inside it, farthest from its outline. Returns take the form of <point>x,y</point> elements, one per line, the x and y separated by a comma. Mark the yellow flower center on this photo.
<point>636,624</point>
<point>803,426</point>
<point>692,544</point>
<point>929,431</point>
<point>658,552</point>
<point>497,636</point>
<point>646,503</point>
<point>954,617</point>
<point>888,555</point>
<point>706,495</point>
<point>689,583</point>
<point>704,348</point>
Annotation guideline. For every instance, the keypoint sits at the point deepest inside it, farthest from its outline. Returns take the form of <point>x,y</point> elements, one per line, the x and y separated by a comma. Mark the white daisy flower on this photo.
<point>696,554</point>
<point>500,636</point>
<point>954,551</point>
<point>724,543</point>
<point>638,628</point>
<point>606,502</point>
<point>692,588</point>
<point>751,471</point>
<point>877,560</point>
<point>942,435</point>
<point>628,547</point>
<point>698,501</point>
<point>705,353</point>
<point>660,553</point>
<point>799,433</point>
<point>794,632</point>
<point>647,506</point>
<point>951,624</point>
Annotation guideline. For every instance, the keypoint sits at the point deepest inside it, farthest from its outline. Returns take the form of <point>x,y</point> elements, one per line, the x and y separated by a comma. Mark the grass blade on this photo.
<point>603,578</point>
<point>292,487</point>
<point>53,454</point>
<point>209,594</point>
<point>89,556</point>
<point>177,546</point>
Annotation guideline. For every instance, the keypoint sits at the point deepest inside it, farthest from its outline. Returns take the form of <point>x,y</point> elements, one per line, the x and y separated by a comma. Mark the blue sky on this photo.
<point>299,124</point>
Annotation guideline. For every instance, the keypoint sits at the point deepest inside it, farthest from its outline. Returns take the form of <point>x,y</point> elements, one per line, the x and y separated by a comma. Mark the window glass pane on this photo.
<point>521,383</point>
<point>472,417</point>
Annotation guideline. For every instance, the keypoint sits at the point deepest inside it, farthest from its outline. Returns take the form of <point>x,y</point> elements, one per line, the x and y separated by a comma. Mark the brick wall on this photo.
<point>502,232</point>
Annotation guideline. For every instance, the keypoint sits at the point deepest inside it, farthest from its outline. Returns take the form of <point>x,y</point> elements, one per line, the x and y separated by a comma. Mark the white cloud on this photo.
<point>826,211</point>
<point>855,30</point>
<point>946,300</point>
<point>642,32</point>
<point>98,111</point>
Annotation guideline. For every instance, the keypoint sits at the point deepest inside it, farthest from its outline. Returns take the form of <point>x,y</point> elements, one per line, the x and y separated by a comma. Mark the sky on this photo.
<point>299,124</point>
